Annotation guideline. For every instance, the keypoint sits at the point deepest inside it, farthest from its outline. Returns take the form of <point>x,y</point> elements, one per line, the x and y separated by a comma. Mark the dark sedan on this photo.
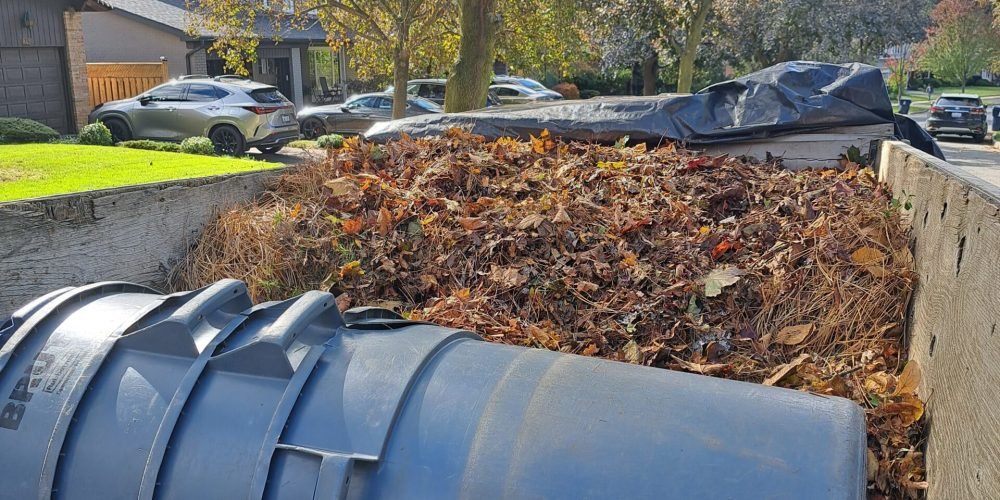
<point>358,114</point>
<point>960,114</point>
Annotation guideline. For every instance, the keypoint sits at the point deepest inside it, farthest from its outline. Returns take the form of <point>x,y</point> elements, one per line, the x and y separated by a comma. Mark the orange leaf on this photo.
<point>867,256</point>
<point>353,226</point>
<point>384,221</point>
<point>542,143</point>
<point>471,223</point>
<point>462,294</point>
<point>590,350</point>
<point>721,249</point>
<point>296,210</point>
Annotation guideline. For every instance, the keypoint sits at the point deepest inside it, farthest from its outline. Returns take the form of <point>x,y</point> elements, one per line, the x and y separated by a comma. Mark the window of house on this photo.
<point>323,62</point>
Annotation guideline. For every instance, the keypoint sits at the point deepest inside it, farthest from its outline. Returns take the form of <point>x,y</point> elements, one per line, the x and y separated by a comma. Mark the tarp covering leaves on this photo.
<point>653,257</point>
<point>789,97</point>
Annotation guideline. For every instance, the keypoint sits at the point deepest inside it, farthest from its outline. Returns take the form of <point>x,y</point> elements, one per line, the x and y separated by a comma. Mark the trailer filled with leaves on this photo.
<point>653,256</point>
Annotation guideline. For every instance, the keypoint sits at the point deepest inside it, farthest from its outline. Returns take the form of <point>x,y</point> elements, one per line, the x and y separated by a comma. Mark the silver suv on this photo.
<point>235,113</point>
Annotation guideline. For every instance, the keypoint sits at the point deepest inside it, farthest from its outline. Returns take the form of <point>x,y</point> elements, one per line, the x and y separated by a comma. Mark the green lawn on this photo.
<point>34,170</point>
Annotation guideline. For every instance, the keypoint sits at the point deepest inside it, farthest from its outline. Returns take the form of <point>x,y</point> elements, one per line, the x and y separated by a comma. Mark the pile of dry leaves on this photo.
<point>658,257</point>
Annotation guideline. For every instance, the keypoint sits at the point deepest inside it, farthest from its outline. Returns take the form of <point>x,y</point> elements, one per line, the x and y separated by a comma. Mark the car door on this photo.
<point>507,95</point>
<point>156,115</point>
<point>356,117</point>
<point>194,113</point>
<point>383,110</point>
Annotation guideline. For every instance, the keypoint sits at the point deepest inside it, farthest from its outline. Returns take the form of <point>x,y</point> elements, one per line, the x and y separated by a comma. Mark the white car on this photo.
<point>518,94</point>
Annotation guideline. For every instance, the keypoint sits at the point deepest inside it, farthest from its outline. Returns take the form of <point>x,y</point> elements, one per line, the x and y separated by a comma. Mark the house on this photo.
<point>134,31</point>
<point>43,73</point>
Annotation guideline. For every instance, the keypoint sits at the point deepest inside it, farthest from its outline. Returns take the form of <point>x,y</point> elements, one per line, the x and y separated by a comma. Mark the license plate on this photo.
<point>286,119</point>
<point>957,115</point>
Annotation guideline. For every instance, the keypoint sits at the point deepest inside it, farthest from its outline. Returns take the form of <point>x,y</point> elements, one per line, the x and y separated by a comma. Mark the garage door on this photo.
<point>32,86</point>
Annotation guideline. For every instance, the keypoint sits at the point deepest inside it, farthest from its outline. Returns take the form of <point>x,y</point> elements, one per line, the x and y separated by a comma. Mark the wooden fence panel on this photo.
<point>113,81</point>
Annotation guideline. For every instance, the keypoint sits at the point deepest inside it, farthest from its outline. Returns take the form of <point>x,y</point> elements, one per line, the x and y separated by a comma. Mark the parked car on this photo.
<point>961,114</point>
<point>517,94</point>
<point>527,83</point>
<point>432,89</point>
<point>358,114</point>
<point>235,113</point>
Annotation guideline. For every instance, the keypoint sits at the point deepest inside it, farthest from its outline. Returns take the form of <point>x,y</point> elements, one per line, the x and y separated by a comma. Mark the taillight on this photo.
<point>979,111</point>
<point>936,109</point>
<point>260,110</point>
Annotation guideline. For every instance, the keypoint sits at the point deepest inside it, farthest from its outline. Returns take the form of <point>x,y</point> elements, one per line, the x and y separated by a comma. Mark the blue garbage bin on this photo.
<point>904,106</point>
<point>115,391</point>
<point>996,118</point>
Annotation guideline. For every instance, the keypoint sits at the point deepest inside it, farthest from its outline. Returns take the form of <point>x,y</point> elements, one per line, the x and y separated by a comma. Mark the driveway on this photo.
<point>979,159</point>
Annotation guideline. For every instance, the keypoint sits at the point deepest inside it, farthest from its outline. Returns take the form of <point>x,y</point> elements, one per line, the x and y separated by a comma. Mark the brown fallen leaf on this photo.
<point>544,336</point>
<point>909,410</point>
<point>720,278</point>
<point>872,465</point>
<point>909,380</point>
<point>296,210</point>
<point>867,256</point>
<point>586,286</point>
<point>794,335</point>
<point>877,383</point>
<point>561,216</point>
<point>343,186</point>
<point>384,221</point>
<point>590,350</point>
<point>711,369</point>
<point>532,221</point>
<point>785,369</point>
<point>471,223</point>
<point>343,302</point>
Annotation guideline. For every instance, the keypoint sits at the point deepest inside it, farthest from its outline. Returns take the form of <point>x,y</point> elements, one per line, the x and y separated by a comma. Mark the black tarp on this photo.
<point>792,97</point>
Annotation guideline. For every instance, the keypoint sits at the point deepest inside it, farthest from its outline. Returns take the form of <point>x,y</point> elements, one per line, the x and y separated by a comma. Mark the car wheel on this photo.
<point>119,129</point>
<point>313,128</point>
<point>979,137</point>
<point>269,150</point>
<point>933,134</point>
<point>228,140</point>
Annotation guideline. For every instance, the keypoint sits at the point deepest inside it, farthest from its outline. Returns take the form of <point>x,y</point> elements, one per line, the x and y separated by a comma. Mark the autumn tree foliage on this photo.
<point>962,42</point>
<point>388,29</point>
<point>753,34</point>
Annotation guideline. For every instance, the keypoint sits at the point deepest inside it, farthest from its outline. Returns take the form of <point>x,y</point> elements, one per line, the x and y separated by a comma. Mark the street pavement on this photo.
<point>979,159</point>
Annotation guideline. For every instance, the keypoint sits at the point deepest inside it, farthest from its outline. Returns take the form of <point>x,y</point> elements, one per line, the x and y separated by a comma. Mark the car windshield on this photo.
<point>531,84</point>
<point>425,104</point>
<point>269,95</point>
<point>959,101</point>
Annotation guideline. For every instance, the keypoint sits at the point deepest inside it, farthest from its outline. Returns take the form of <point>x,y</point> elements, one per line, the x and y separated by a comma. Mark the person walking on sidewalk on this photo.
<point>930,91</point>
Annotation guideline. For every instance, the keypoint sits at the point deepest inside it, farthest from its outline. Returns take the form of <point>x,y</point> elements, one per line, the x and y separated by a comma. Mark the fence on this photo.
<point>113,81</point>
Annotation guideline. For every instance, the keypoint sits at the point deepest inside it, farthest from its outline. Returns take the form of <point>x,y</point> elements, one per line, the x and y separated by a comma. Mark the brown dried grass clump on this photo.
<point>657,257</point>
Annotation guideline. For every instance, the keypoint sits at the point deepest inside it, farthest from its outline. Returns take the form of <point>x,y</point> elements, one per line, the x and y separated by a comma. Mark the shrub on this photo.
<point>66,139</point>
<point>152,145</point>
<point>568,90</point>
<point>96,134</point>
<point>15,130</point>
<point>589,94</point>
<point>330,141</point>
<point>198,146</point>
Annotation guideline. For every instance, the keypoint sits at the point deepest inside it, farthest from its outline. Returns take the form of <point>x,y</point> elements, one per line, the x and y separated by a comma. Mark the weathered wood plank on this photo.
<point>132,234</point>
<point>954,317</point>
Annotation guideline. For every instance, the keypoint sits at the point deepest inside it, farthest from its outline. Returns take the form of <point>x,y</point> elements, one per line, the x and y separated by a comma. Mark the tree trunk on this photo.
<point>400,75</point>
<point>685,70</point>
<point>470,79</point>
<point>649,74</point>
